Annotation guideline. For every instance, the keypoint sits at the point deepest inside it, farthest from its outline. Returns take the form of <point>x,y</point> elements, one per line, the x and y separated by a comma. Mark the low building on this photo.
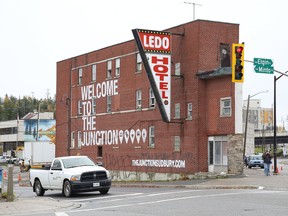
<point>259,121</point>
<point>13,133</point>
<point>106,108</point>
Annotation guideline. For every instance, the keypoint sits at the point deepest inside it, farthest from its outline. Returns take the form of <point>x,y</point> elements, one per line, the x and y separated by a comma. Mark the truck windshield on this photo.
<point>77,162</point>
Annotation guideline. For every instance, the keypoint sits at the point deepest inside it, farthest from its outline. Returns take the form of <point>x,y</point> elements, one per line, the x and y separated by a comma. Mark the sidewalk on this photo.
<point>28,205</point>
<point>251,179</point>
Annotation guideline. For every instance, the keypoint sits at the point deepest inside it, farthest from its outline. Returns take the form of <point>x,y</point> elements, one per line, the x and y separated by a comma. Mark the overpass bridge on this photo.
<point>263,138</point>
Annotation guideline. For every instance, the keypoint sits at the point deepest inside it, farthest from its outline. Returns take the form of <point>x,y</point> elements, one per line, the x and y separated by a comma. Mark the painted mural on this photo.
<point>40,130</point>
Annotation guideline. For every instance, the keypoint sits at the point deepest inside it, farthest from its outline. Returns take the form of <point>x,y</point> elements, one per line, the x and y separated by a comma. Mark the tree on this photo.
<point>11,107</point>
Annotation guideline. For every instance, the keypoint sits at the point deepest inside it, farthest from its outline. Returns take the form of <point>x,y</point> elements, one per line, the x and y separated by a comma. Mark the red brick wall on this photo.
<point>197,49</point>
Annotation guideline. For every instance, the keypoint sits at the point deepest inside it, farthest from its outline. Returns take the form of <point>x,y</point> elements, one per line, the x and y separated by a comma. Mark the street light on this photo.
<point>246,120</point>
<point>275,122</point>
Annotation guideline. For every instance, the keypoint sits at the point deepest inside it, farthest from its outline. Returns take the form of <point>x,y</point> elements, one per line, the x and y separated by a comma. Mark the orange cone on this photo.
<point>5,174</point>
<point>19,178</point>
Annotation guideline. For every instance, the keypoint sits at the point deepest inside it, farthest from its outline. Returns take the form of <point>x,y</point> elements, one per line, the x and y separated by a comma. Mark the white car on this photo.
<point>4,158</point>
<point>70,175</point>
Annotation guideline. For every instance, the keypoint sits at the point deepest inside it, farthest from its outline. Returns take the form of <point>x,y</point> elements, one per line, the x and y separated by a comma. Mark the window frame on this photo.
<point>177,113</point>
<point>99,151</point>
<point>189,111</point>
<point>138,99</point>
<point>80,76</point>
<point>109,104</point>
<point>138,62</point>
<point>177,68</point>
<point>151,143</point>
<point>152,99</point>
<point>177,143</point>
<point>93,110</point>
<point>72,146</point>
<point>94,73</point>
<point>80,107</point>
<point>117,67</point>
<point>223,107</point>
<point>109,69</point>
<point>79,139</point>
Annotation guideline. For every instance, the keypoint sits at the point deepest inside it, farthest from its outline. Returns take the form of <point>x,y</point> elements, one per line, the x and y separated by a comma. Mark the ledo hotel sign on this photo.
<point>155,51</point>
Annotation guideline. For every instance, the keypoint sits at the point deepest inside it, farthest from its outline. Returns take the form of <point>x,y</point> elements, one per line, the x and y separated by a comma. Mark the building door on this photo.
<point>217,154</point>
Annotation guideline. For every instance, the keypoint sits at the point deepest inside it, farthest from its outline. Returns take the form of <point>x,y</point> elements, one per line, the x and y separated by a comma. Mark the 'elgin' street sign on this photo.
<point>263,66</point>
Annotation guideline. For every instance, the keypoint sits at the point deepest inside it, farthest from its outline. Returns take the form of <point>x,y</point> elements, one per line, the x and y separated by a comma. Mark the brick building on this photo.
<point>106,108</point>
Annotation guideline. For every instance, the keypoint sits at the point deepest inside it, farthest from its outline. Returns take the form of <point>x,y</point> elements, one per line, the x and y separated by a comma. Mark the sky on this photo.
<point>36,34</point>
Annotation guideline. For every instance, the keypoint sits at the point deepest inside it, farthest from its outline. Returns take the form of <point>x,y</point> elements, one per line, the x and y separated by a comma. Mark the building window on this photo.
<point>151,98</point>
<point>225,55</point>
<point>72,140</point>
<point>177,69</point>
<point>177,110</point>
<point>79,139</point>
<point>217,150</point>
<point>94,105</point>
<point>189,111</point>
<point>100,151</point>
<point>109,103</point>
<point>109,69</point>
<point>117,68</point>
<point>139,63</point>
<point>152,136</point>
<point>225,107</point>
<point>138,99</point>
<point>93,73</point>
<point>80,74</point>
<point>177,143</point>
<point>79,107</point>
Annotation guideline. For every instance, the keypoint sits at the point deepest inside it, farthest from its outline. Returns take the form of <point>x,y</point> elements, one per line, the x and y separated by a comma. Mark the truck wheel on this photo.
<point>39,190</point>
<point>104,191</point>
<point>67,190</point>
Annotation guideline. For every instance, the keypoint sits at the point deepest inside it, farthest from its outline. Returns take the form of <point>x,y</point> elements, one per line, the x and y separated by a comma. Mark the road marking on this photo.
<point>105,197</point>
<point>139,195</point>
<point>61,214</point>
<point>167,193</point>
<point>167,200</point>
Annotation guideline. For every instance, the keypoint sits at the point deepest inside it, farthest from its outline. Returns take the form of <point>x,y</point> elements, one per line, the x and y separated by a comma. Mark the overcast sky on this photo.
<point>35,34</point>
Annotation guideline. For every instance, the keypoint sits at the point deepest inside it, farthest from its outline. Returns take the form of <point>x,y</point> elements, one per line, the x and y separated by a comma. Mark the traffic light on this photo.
<point>237,63</point>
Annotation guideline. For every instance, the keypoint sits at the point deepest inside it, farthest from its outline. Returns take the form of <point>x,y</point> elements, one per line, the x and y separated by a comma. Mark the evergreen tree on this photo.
<point>11,107</point>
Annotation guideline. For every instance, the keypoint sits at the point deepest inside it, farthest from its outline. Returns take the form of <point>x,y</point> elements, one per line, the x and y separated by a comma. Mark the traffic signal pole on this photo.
<point>275,122</point>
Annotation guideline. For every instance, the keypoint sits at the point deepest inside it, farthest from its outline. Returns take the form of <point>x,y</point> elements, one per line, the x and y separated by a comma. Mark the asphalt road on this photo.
<point>170,201</point>
<point>142,201</point>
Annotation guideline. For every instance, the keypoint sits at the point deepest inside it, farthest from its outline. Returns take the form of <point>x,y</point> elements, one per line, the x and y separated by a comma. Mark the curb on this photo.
<point>250,187</point>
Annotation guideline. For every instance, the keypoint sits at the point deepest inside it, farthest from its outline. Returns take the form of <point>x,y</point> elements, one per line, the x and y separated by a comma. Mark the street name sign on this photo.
<point>263,66</point>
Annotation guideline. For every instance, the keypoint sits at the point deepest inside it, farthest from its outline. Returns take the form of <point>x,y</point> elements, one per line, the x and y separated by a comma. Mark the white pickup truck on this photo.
<point>71,174</point>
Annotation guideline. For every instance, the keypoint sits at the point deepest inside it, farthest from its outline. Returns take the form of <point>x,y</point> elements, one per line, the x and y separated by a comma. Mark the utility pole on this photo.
<point>275,121</point>
<point>246,120</point>
<point>10,193</point>
<point>194,4</point>
<point>47,93</point>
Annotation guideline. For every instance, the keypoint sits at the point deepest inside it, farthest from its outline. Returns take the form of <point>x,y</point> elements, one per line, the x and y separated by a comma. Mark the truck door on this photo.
<point>55,175</point>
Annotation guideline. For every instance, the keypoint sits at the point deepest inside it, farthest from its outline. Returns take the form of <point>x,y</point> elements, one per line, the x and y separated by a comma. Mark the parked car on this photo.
<point>70,175</point>
<point>15,161</point>
<point>4,158</point>
<point>9,160</point>
<point>255,161</point>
